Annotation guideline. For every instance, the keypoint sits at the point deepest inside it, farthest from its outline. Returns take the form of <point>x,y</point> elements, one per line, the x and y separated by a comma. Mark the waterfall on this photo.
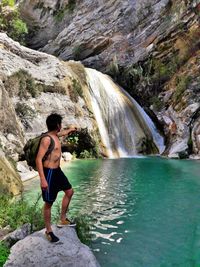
<point>123,124</point>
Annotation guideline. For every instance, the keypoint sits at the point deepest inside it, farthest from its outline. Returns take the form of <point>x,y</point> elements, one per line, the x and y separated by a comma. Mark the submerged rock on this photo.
<point>36,250</point>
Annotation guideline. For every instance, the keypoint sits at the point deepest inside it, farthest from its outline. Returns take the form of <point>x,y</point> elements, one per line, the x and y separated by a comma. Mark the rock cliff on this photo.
<point>99,32</point>
<point>34,84</point>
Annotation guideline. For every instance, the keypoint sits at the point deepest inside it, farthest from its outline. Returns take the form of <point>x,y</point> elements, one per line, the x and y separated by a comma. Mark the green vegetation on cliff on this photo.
<point>81,144</point>
<point>23,85</point>
<point>60,12</point>
<point>169,54</point>
<point>4,253</point>
<point>10,21</point>
<point>182,83</point>
<point>10,3</point>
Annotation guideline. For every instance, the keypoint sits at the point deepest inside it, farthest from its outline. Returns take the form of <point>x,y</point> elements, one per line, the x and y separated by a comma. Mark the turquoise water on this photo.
<point>146,210</point>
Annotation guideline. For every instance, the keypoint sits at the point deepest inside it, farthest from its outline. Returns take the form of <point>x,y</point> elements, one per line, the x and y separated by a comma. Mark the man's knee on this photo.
<point>48,205</point>
<point>69,193</point>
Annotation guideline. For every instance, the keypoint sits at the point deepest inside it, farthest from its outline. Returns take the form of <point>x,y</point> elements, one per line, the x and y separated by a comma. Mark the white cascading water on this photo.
<point>122,123</point>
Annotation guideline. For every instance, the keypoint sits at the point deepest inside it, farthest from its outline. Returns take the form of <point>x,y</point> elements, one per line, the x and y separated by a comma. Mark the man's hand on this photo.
<point>69,130</point>
<point>72,129</point>
<point>44,184</point>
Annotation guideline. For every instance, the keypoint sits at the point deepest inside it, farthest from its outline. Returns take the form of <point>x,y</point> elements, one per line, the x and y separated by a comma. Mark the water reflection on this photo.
<point>106,198</point>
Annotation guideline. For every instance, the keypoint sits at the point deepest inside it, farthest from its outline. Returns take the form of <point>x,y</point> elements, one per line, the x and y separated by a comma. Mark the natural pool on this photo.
<point>147,210</point>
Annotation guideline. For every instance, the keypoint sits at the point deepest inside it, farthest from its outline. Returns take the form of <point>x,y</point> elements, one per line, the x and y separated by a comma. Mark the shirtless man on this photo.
<point>52,179</point>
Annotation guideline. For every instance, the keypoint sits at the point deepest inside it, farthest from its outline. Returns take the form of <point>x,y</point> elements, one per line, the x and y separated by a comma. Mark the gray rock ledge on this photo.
<point>36,250</point>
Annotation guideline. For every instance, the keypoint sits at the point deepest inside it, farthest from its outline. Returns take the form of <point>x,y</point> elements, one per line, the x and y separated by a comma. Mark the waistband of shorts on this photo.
<point>54,169</point>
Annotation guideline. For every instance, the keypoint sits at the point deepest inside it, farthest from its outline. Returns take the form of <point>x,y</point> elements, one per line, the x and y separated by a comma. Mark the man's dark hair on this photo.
<point>53,121</point>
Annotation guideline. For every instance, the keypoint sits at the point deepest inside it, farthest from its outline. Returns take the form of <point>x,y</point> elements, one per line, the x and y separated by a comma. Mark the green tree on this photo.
<point>11,23</point>
<point>8,3</point>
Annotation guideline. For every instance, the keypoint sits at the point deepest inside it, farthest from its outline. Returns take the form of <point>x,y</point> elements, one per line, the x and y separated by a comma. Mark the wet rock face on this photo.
<point>180,112</point>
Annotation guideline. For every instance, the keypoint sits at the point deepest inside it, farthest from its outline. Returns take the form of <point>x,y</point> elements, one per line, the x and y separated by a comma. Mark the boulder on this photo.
<point>25,171</point>
<point>36,250</point>
<point>67,156</point>
<point>17,235</point>
<point>178,149</point>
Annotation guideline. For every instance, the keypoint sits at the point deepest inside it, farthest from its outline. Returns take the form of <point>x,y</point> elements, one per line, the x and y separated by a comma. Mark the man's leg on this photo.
<point>47,216</point>
<point>65,203</point>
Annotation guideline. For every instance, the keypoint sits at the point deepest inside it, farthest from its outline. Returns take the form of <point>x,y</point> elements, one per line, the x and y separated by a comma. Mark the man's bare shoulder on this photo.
<point>45,140</point>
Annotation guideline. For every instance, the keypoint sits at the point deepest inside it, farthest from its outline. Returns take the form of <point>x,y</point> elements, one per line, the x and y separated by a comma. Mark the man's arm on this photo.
<point>65,132</point>
<point>44,145</point>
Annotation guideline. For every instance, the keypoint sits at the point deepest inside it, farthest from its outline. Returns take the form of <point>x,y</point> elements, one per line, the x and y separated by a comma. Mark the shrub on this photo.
<point>71,5</point>
<point>23,84</point>
<point>27,84</point>
<point>8,3</point>
<point>79,71</point>
<point>25,113</point>
<point>11,23</point>
<point>75,90</point>
<point>73,138</point>
<point>12,162</point>
<point>4,253</point>
<point>157,103</point>
<point>18,212</point>
<point>18,30</point>
<point>55,88</point>
<point>91,153</point>
<point>77,51</point>
<point>59,15</point>
<point>69,8</point>
<point>74,155</point>
<point>86,154</point>
<point>113,68</point>
<point>77,87</point>
<point>181,85</point>
<point>190,145</point>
